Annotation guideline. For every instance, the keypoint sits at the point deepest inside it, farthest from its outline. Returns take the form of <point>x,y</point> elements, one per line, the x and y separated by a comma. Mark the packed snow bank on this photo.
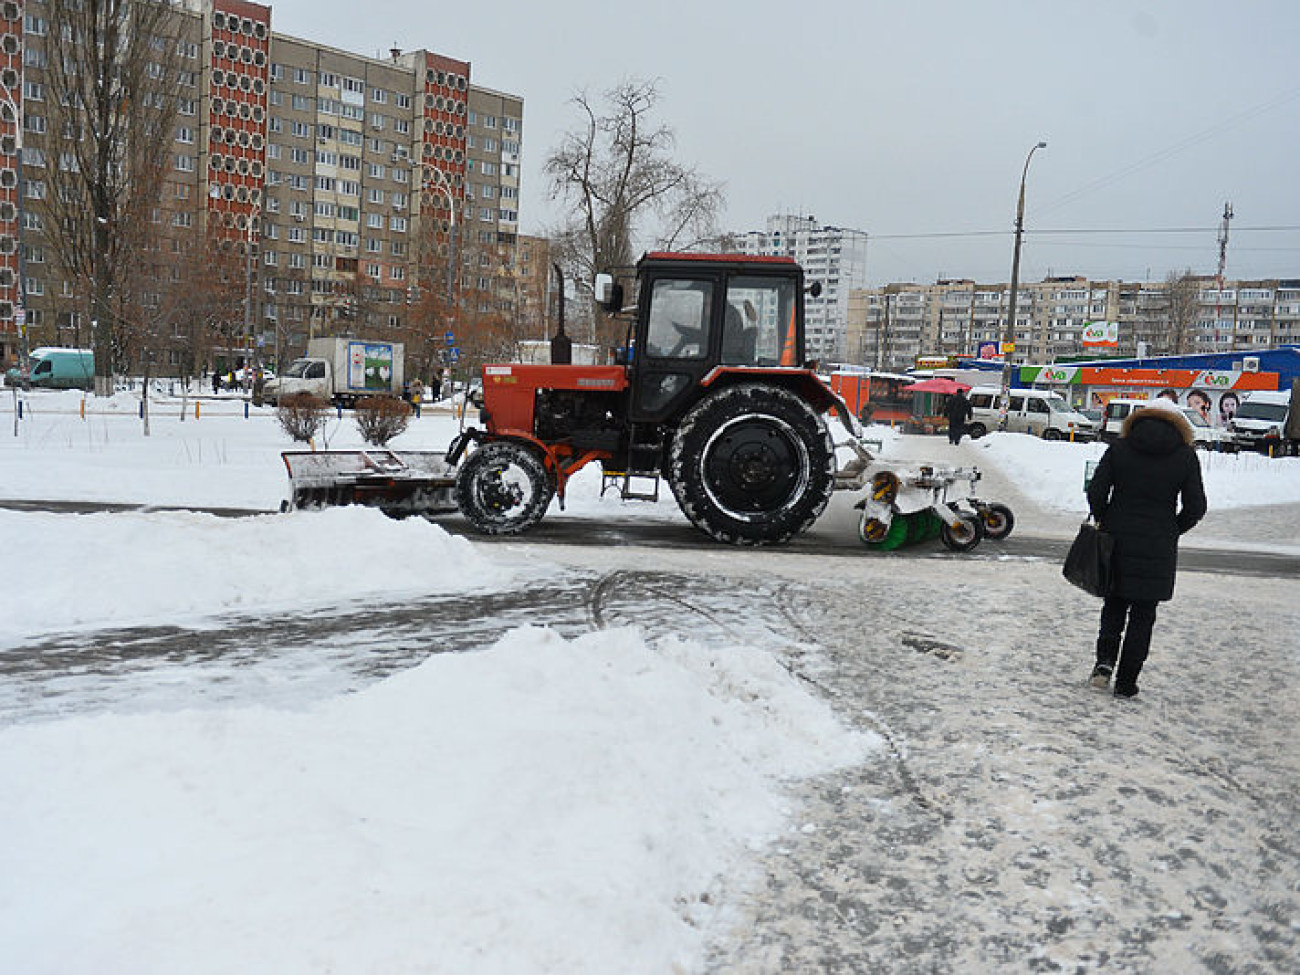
<point>542,805</point>
<point>80,571</point>
<point>1052,472</point>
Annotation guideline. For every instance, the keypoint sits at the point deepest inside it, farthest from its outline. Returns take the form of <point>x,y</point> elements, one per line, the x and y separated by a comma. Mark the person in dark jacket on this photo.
<point>959,412</point>
<point>1145,493</point>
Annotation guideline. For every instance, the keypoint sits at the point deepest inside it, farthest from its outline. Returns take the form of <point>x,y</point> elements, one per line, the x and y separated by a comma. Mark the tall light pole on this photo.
<point>1009,333</point>
<point>441,184</point>
<point>253,219</point>
<point>20,298</point>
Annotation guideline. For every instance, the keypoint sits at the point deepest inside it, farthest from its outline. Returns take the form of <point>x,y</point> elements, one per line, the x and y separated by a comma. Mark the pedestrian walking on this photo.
<point>216,382</point>
<point>1145,493</point>
<point>959,412</point>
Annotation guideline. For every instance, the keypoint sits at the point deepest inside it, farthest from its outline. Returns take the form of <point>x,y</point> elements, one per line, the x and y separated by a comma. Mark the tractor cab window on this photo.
<point>759,312</point>
<point>679,319</point>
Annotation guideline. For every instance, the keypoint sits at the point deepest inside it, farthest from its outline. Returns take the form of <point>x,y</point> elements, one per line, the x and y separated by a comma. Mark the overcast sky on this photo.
<point>914,117</point>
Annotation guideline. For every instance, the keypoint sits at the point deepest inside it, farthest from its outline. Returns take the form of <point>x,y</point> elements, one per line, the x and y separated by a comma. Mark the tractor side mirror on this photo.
<point>609,293</point>
<point>814,290</point>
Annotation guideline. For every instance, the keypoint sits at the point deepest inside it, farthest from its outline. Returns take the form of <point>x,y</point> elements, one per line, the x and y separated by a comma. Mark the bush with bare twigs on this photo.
<point>381,418</point>
<point>302,415</point>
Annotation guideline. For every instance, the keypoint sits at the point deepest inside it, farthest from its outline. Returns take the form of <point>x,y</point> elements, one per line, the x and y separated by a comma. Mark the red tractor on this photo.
<point>713,395</point>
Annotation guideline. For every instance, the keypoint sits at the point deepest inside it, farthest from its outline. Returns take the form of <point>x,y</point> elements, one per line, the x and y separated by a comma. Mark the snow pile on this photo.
<point>1052,472</point>
<point>542,805</point>
<point>160,567</point>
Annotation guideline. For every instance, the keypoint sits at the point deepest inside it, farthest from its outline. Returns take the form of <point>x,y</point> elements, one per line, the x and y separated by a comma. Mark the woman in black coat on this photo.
<point>1134,496</point>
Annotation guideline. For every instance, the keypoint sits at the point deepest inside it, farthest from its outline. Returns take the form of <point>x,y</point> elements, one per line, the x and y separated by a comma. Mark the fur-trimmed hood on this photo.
<point>1152,437</point>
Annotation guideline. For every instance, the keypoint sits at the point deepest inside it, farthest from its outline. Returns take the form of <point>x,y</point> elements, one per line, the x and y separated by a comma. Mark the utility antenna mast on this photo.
<point>1223,260</point>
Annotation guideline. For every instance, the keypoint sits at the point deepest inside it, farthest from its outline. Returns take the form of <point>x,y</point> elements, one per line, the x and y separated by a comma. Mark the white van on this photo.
<point>1035,411</point>
<point>1261,423</point>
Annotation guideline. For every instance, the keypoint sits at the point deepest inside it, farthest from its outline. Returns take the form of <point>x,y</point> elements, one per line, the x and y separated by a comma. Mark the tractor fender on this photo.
<point>559,460</point>
<point>805,383</point>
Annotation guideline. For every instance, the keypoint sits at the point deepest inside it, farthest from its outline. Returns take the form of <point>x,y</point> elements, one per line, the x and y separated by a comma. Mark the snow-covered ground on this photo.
<point>587,804</point>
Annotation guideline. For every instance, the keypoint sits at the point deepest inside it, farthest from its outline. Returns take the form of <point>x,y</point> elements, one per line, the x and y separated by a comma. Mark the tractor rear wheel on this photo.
<point>752,465</point>
<point>504,488</point>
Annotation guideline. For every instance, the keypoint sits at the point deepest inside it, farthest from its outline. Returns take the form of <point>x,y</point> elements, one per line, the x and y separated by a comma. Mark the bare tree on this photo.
<point>111,73</point>
<point>618,171</point>
<point>1183,289</point>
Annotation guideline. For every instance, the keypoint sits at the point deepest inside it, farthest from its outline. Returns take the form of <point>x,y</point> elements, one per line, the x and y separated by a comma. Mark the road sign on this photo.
<point>451,337</point>
<point>455,353</point>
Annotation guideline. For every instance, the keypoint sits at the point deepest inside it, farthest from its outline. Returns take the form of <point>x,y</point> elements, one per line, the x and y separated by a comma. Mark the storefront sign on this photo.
<point>1101,335</point>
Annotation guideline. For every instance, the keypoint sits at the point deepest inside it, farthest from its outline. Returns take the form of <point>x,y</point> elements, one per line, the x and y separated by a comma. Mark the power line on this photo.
<point>1104,181</point>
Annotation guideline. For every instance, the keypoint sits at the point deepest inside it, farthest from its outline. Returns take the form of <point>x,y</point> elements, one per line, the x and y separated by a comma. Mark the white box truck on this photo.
<point>342,370</point>
<point>1268,422</point>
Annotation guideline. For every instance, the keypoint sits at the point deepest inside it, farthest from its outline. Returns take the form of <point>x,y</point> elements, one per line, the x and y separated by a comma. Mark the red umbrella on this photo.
<point>938,384</point>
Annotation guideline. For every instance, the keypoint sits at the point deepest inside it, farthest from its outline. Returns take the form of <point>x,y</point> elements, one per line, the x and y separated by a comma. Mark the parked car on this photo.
<point>1208,436</point>
<point>1113,417</point>
<point>1040,412</point>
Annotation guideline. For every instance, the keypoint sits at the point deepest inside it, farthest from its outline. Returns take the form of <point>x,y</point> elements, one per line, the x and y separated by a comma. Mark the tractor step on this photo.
<point>627,490</point>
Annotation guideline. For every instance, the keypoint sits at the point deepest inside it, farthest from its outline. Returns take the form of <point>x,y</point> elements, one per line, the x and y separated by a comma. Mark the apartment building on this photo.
<point>833,256</point>
<point>343,193</point>
<point>889,327</point>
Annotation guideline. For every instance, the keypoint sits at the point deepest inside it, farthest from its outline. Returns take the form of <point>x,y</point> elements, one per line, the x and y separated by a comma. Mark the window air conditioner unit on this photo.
<point>1250,363</point>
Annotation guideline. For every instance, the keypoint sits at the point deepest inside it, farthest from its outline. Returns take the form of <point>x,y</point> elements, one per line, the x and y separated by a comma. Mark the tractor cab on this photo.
<point>697,314</point>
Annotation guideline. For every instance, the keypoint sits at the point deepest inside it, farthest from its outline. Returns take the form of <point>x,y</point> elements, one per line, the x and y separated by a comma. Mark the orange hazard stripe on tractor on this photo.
<point>789,355</point>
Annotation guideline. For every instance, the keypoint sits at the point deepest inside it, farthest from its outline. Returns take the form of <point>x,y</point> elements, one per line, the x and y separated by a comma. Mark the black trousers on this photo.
<point>1126,625</point>
<point>955,432</point>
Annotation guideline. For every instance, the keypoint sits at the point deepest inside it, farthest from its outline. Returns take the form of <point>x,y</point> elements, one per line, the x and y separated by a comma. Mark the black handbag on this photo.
<point>1088,563</point>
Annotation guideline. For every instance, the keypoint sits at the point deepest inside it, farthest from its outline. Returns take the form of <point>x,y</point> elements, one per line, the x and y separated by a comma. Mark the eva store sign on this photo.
<point>1101,334</point>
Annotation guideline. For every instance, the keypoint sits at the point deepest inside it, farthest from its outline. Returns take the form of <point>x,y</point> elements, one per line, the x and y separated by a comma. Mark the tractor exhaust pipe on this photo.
<point>561,346</point>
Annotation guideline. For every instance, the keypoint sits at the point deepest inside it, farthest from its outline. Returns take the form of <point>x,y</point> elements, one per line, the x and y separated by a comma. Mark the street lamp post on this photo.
<point>441,185</point>
<point>1009,333</point>
<point>20,302</point>
<point>252,234</point>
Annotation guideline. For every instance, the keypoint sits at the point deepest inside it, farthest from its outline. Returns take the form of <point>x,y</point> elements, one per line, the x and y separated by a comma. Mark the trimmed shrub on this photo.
<point>302,415</point>
<point>381,418</point>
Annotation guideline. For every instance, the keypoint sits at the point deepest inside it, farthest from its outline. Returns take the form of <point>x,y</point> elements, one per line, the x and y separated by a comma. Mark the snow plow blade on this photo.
<point>399,484</point>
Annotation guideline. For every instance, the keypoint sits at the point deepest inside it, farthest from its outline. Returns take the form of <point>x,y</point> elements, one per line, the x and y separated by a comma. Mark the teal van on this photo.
<point>54,368</point>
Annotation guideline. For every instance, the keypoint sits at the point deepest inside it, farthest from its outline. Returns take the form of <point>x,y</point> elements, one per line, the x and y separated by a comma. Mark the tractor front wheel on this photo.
<point>504,488</point>
<point>752,465</point>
